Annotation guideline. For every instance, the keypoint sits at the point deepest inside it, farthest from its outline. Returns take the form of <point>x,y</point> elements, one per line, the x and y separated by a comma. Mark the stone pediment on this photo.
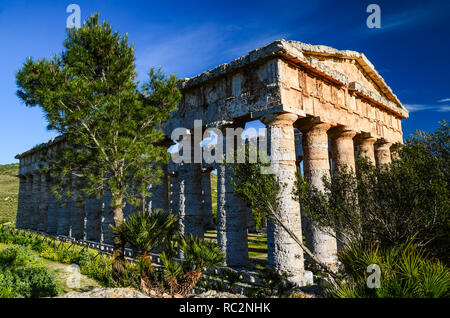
<point>343,67</point>
<point>359,71</point>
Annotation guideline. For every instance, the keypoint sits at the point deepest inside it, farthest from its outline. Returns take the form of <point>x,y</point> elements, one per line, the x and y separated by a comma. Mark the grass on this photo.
<point>9,189</point>
<point>63,272</point>
<point>257,244</point>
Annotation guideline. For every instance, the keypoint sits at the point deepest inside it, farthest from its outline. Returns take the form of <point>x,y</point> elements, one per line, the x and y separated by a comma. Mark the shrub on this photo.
<point>405,272</point>
<point>24,275</point>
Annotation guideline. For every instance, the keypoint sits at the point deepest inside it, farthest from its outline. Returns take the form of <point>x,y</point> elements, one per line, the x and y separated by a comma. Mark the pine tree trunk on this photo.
<point>119,245</point>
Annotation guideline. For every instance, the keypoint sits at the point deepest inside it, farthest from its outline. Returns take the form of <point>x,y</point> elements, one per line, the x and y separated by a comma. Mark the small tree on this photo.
<point>111,124</point>
<point>410,199</point>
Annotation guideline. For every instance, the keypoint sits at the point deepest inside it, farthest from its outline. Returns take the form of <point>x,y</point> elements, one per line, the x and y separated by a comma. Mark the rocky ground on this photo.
<point>132,293</point>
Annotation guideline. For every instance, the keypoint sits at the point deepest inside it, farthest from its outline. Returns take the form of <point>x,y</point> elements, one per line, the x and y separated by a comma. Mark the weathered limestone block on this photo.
<point>77,208</point>
<point>395,151</point>
<point>343,149</point>
<point>316,165</point>
<point>382,152</point>
<point>63,227</point>
<point>366,147</point>
<point>28,204</point>
<point>93,210</point>
<point>207,200</point>
<point>20,219</point>
<point>232,235</point>
<point>36,192</point>
<point>52,214</point>
<point>190,199</point>
<point>159,199</point>
<point>343,154</point>
<point>43,204</point>
<point>284,254</point>
<point>174,206</point>
<point>107,219</point>
<point>251,225</point>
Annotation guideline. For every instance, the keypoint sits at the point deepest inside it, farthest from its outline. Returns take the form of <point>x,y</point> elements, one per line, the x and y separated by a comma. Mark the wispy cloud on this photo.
<point>194,50</point>
<point>421,107</point>
<point>444,100</point>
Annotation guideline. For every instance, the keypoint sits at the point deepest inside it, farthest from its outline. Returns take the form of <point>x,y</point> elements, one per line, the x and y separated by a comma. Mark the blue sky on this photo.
<point>410,50</point>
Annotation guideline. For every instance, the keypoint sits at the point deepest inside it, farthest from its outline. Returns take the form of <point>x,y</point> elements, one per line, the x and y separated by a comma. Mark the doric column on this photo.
<point>232,235</point>
<point>93,210</point>
<point>382,152</point>
<point>28,205</point>
<point>284,254</point>
<point>174,205</point>
<point>343,149</point>
<point>20,219</point>
<point>52,214</point>
<point>159,198</point>
<point>190,190</point>
<point>43,203</point>
<point>395,151</point>
<point>107,219</point>
<point>366,148</point>
<point>77,208</point>
<point>343,154</point>
<point>206,199</point>
<point>251,226</point>
<point>63,227</point>
<point>36,193</point>
<point>316,165</point>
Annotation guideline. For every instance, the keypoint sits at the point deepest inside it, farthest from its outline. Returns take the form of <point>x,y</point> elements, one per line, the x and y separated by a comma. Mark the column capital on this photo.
<point>365,139</point>
<point>383,144</point>
<point>312,123</point>
<point>280,119</point>
<point>341,132</point>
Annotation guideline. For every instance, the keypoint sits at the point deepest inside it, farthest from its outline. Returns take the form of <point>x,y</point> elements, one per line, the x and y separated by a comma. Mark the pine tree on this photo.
<point>111,124</point>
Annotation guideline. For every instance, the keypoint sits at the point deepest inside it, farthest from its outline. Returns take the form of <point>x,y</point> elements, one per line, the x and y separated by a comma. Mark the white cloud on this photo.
<point>415,107</point>
<point>444,100</point>
<point>420,107</point>
<point>444,109</point>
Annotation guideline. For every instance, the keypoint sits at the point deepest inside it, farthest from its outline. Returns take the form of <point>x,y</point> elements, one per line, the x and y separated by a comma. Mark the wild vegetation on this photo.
<point>23,275</point>
<point>394,214</point>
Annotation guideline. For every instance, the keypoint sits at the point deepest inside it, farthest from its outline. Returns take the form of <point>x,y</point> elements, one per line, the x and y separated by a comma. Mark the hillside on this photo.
<point>9,189</point>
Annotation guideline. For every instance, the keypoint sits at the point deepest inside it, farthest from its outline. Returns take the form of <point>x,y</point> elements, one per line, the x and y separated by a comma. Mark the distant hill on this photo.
<point>9,189</point>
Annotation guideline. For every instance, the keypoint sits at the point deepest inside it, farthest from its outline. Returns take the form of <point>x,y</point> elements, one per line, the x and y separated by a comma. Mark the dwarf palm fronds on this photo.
<point>405,271</point>
<point>145,231</point>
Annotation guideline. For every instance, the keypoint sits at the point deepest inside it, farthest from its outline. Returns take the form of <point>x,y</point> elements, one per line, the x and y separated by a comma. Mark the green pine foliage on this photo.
<point>111,123</point>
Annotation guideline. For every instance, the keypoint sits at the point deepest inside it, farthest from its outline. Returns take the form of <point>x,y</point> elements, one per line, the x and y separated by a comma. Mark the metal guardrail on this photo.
<point>247,277</point>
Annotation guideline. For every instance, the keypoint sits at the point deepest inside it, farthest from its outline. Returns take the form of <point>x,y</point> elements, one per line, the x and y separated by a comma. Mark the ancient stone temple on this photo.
<point>327,106</point>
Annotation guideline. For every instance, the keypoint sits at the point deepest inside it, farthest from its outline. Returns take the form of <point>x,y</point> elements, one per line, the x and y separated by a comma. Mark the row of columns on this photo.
<point>78,216</point>
<point>186,192</point>
<point>283,253</point>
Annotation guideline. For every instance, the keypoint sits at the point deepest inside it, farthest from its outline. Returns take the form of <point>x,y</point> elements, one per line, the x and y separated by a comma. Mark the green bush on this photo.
<point>406,272</point>
<point>24,275</point>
